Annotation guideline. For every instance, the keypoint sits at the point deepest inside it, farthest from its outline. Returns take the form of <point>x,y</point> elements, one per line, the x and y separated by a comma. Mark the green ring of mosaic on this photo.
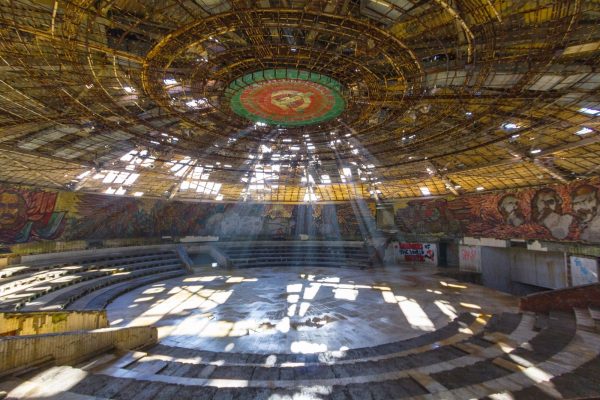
<point>237,87</point>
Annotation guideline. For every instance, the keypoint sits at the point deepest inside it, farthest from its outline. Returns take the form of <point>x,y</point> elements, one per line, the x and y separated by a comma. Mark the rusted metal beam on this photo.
<point>57,40</point>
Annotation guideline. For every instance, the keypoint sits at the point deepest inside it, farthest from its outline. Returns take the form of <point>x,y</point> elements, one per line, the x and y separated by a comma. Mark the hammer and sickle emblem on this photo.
<point>291,100</point>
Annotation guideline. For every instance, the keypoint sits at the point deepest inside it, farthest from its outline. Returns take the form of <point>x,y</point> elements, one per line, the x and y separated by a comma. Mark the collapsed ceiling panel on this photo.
<point>299,100</point>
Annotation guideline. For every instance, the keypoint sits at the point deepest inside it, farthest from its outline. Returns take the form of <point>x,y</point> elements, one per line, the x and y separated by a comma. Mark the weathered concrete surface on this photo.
<point>37,323</point>
<point>67,348</point>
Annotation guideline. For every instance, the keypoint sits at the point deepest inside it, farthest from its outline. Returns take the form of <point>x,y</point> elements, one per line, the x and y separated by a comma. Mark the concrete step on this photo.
<point>595,315</point>
<point>20,271</point>
<point>212,370</point>
<point>53,383</point>
<point>194,370</point>
<point>185,363</point>
<point>547,343</point>
<point>572,373</point>
<point>584,319</point>
<point>557,361</point>
<point>32,290</point>
<point>97,301</point>
<point>304,264</point>
<point>65,299</point>
<point>541,321</point>
<point>312,377</point>
<point>427,341</point>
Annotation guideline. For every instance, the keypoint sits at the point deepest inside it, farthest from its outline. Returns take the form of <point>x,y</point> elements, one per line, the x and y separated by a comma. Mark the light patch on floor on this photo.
<point>414,314</point>
<point>266,310</point>
<point>307,347</point>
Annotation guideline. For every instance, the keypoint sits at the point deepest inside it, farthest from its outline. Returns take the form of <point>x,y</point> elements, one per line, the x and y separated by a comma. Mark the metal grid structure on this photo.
<point>129,97</point>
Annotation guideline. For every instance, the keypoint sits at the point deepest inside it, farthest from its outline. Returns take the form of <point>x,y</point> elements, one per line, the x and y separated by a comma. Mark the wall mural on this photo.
<point>31,215</point>
<point>561,212</point>
<point>26,216</point>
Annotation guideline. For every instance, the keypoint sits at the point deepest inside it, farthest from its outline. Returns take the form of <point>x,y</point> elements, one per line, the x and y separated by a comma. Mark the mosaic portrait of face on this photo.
<point>508,205</point>
<point>546,202</point>
<point>585,203</point>
<point>509,208</point>
<point>12,210</point>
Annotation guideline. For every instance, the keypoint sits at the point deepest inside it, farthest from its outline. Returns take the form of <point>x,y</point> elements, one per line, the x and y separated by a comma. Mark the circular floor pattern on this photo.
<point>301,310</point>
<point>286,97</point>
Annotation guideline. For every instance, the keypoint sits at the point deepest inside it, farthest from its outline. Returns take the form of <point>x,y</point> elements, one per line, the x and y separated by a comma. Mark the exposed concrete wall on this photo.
<point>68,348</point>
<point>545,269</point>
<point>37,323</point>
<point>185,258</point>
<point>495,268</point>
<point>491,242</point>
<point>219,256</point>
<point>8,259</point>
<point>452,255</point>
<point>213,251</point>
<point>515,270</point>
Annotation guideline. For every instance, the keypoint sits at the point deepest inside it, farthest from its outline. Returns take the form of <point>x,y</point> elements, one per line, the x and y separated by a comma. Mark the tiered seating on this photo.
<point>472,357</point>
<point>68,280</point>
<point>99,299</point>
<point>297,254</point>
<point>526,355</point>
<point>581,383</point>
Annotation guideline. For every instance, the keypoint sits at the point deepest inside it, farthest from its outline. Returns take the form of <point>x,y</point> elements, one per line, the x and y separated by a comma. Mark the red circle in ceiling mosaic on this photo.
<point>287,100</point>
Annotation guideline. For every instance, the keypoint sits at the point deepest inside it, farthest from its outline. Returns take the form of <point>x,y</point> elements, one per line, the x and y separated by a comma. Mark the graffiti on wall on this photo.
<point>400,252</point>
<point>583,270</point>
<point>417,252</point>
<point>31,215</point>
<point>469,258</point>
<point>561,212</point>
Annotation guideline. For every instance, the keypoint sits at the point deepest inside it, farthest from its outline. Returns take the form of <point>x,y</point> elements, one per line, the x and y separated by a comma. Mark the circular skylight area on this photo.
<point>138,98</point>
<point>286,97</point>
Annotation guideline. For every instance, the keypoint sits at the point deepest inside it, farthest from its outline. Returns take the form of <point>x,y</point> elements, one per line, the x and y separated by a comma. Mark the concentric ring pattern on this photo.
<point>286,97</point>
<point>452,96</point>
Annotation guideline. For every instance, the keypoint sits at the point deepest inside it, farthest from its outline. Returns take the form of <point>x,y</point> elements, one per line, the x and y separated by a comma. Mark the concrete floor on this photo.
<point>301,310</point>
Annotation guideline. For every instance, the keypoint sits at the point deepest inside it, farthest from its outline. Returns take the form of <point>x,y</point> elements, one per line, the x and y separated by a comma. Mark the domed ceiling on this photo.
<point>292,101</point>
